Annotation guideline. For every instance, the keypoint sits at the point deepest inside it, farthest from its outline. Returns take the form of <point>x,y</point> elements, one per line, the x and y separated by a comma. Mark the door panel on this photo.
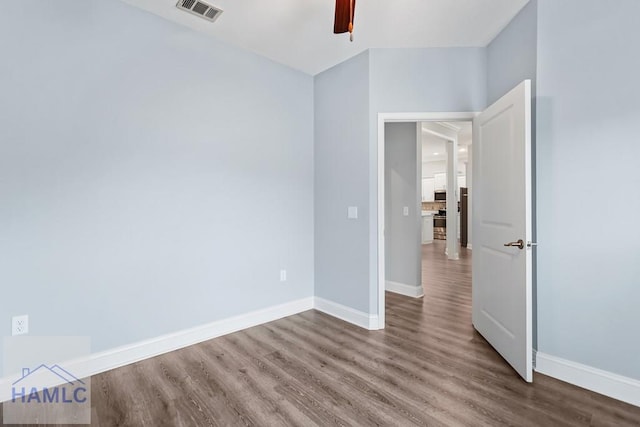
<point>502,274</point>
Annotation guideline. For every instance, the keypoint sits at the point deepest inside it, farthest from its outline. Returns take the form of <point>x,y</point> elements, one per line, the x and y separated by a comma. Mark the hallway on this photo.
<point>459,365</point>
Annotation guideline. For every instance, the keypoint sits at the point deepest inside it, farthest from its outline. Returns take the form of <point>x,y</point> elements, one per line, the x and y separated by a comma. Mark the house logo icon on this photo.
<point>48,384</point>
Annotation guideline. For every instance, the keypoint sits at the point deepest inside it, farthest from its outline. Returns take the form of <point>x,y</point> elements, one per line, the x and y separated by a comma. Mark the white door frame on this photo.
<point>398,118</point>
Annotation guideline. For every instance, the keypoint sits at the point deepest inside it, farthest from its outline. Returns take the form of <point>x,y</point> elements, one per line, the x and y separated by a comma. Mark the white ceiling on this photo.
<point>434,148</point>
<point>299,33</point>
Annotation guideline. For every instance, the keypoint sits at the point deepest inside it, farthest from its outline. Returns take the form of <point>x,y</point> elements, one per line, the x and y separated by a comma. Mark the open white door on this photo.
<point>502,276</point>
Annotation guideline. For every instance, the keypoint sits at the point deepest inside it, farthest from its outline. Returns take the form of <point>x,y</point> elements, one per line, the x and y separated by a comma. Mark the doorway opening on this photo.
<point>502,224</point>
<point>443,173</point>
<point>433,121</point>
<point>445,170</point>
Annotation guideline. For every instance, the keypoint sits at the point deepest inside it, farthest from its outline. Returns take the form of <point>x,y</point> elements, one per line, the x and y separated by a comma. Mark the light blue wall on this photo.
<point>424,80</point>
<point>511,56</point>
<point>341,162</point>
<point>151,179</point>
<point>403,239</point>
<point>417,80</point>
<point>587,160</point>
<point>348,98</point>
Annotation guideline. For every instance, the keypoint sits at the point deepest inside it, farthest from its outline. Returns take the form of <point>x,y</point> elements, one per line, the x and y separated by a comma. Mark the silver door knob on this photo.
<point>518,244</point>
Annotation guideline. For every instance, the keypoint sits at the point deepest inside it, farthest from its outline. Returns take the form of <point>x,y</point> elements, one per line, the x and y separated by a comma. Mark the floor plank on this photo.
<point>429,367</point>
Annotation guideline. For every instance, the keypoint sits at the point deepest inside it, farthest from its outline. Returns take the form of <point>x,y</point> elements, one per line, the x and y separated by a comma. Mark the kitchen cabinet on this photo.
<point>428,188</point>
<point>440,180</point>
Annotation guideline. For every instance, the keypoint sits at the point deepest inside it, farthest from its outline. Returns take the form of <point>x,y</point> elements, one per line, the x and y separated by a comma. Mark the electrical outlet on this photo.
<point>20,325</point>
<point>283,275</point>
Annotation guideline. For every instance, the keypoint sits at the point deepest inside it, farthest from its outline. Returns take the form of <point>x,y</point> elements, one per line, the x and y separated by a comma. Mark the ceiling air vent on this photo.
<point>200,8</point>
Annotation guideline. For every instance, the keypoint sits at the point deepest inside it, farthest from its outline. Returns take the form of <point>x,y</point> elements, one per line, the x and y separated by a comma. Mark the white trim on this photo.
<point>121,356</point>
<point>448,135</point>
<point>382,119</point>
<point>451,126</point>
<point>404,289</point>
<point>469,246</point>
<point>427,117</point>
<point>603,382</point>
<point>348,314</point>
<point>419,218</point>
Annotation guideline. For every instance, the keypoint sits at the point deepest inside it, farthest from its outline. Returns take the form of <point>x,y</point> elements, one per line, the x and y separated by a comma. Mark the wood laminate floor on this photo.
<point>428,367</point>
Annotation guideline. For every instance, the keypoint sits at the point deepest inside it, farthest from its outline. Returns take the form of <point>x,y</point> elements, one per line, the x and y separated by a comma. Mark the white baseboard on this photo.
<point>404,289</point>
<point>348,314</point>
<point>603,382</point>
<point>125,355</point>
<point>121,356</point>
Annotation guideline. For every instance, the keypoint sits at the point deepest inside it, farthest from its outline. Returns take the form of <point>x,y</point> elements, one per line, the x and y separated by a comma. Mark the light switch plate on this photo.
<point>352,212</point>
<point>405,211</point>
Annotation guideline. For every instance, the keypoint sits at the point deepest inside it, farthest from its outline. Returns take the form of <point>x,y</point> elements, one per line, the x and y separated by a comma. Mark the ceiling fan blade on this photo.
<point>345,12</point>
